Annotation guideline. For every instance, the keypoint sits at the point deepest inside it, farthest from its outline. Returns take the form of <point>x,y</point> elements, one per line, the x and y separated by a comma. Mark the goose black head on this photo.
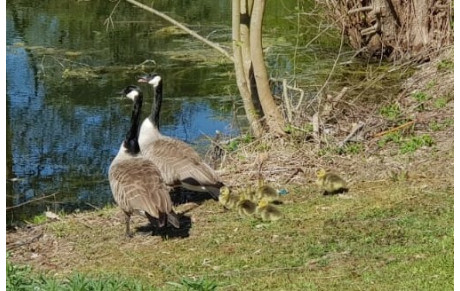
<point>131,140</point>
<point>132,92</point>
<point>153,79</point>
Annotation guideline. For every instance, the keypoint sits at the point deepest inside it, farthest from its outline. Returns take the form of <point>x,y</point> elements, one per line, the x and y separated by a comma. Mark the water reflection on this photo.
<point>62,132</point>
<point>64,122</point>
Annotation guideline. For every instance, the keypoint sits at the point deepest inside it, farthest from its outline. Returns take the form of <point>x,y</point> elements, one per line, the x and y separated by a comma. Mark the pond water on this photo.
<point>64,64</point>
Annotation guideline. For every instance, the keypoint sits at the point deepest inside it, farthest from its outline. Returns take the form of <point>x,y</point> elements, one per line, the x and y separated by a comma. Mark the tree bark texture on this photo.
<point>245,22</point>
<point>273,117</point>
<point>395,29</point>
<point>241,77</point>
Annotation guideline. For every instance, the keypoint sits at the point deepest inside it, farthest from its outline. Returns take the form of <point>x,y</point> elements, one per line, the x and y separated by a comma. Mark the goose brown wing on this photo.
<point>178,161</point>
<point>137,185</point>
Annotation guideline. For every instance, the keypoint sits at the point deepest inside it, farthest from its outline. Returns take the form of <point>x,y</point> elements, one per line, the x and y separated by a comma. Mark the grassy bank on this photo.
<point>393,230</point>
<point>395,235</point>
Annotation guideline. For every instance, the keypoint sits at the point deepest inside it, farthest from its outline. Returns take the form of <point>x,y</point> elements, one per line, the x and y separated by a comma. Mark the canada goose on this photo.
<point>179,163</point>
<point>267,211</point>
<point>136,183</point>
<point>246,207</point>
<point>228,199</point>
<point>330,183</point>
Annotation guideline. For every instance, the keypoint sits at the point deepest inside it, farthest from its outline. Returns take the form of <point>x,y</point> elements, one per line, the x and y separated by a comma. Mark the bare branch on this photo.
<point>287,102</point>
<point>183,27</point>
<point>108,22</point>
<point>31,201</point>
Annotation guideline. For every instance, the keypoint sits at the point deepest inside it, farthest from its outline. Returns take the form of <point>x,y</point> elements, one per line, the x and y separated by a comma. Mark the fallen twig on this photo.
<point>353,132</point>
<point>22,243</point>
<point>407,124</point>
<point>298,170</point>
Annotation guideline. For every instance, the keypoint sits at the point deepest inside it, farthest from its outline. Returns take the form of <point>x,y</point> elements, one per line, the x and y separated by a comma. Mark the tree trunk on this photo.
<point>251,74</point>
<point>399,30</point>
<point>241,77</point>
<point>245,12</point>
<point>273,117</point>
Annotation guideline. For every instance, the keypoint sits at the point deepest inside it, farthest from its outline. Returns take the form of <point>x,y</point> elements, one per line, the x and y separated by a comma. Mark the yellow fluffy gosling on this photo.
<point>228,199</point>
<point>267,211</point>
<point>266,192</point>
<point>331,183</point>
<point>246,207</point>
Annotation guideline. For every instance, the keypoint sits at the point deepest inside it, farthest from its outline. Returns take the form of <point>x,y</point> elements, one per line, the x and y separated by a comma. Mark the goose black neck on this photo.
<point>131,141</point>
<point>156,106</point>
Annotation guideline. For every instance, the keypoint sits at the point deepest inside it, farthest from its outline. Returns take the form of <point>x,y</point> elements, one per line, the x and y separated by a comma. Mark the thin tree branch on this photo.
<point>183,27</point>
<point>333,67</point>
<point>30,201</point>
<point>108,22</point>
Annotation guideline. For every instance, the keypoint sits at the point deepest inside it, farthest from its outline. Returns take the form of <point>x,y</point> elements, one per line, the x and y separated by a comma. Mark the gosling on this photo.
<point>228,199</point>
<point>267,211</point>
<point>245,206</point>
<point>331,183</point>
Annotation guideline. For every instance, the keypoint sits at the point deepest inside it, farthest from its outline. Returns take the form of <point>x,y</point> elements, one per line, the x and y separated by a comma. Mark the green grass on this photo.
<point>394,137</point>
<point>22,278</point>
<point>194,284</point>
<point>440,102</point>
<point>235,143</point>
<point>441,125</point>
<point>414,143</point>
<point>391,112</point>
<point>411,143</point>
<point>39,219</point>
<point>387,235</point>
<point>420,96</point>
<point>446,65</point>
<point>353,148</point>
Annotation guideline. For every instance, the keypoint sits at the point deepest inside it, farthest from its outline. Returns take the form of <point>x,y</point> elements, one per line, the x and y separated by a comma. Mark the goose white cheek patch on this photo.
<point>155,81</point>
<point>132,95</point>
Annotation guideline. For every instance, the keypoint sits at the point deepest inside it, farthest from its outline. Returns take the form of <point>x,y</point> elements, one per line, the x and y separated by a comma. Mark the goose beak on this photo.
<point>143,79</point>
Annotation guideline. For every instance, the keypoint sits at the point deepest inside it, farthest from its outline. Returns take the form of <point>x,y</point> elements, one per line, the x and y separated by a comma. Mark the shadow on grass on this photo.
<point>168,231</point>
<point>336,192</point>
<point>181,195</point>
<point>178,196</point>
